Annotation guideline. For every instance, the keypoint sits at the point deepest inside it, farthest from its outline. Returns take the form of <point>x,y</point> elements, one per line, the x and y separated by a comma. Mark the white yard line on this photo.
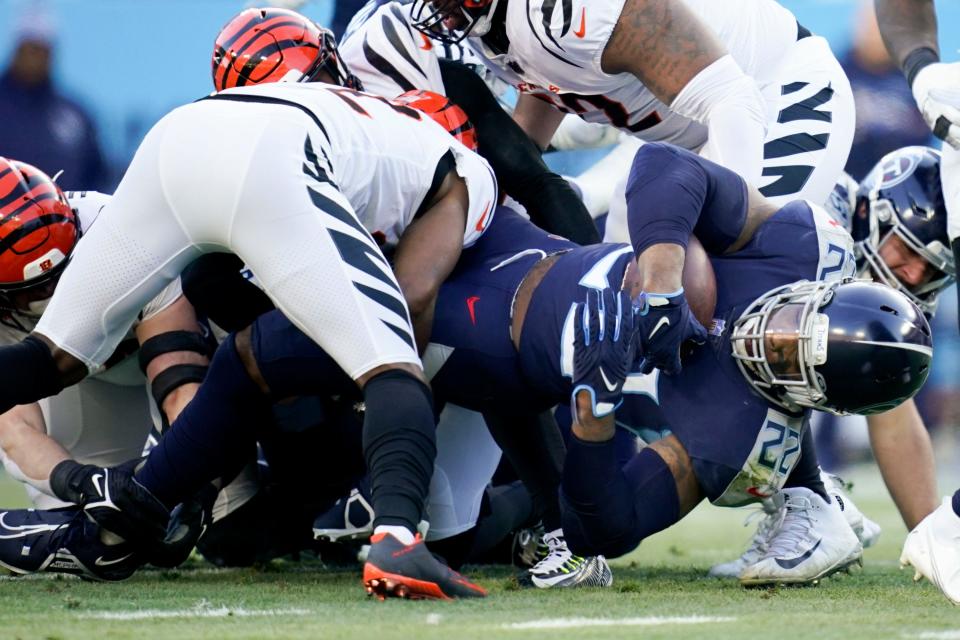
<point>204,612</point>
<point>949,634</point>
<point>576,623</point>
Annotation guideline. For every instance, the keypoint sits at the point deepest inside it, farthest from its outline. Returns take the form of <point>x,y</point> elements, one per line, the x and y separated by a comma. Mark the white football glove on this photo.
<point>936,89</point>
<point>950,180</point>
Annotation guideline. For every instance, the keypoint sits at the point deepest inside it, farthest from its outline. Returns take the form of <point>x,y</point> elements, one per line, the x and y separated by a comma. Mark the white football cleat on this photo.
<point>933,549</point>
<point>866,530</point>
<point>772,511</point>
<point>813,541</point>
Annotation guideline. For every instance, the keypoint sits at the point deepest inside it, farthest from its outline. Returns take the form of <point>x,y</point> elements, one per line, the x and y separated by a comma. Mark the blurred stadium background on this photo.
<point>127,62</point>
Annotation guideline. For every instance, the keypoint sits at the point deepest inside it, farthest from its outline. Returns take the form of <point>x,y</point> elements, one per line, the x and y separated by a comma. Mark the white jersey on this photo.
<point>386,163</point>
<point>555,50</point>
<point>390,57</point>
<point>14,326</point>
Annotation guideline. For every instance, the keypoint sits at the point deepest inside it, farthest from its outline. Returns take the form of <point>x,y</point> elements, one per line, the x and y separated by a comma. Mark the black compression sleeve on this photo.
<point>551,202</point>
<point>28,373</point>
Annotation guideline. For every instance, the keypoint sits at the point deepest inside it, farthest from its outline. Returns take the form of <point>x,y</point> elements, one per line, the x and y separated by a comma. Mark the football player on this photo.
<point>741,81</point>
<point>318,175</point>
<point>909,29</point>
<point>105,419</point>
<point>899,225</point>
<point>385,56</point>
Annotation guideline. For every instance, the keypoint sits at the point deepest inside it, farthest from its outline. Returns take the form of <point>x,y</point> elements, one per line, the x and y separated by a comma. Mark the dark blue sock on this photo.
<point>214,434</point>
<point>607,509</point>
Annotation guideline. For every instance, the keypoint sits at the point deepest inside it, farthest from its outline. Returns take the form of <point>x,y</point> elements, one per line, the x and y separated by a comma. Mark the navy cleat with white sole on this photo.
<point>62,541</point>
<point>350,518</point>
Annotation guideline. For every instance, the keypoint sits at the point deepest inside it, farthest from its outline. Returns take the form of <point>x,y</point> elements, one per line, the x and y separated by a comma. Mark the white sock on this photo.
<point>401,533</point>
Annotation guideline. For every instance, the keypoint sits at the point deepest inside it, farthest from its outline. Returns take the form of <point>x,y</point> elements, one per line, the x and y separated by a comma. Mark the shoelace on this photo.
<point>558,556</point>
<point>767,526</point>
<point>794,529</point>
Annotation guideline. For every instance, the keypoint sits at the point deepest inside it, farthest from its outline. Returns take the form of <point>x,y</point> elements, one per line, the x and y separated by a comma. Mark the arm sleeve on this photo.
<point>672,193</point>
<point>551,201</point>
<point>729,102</point>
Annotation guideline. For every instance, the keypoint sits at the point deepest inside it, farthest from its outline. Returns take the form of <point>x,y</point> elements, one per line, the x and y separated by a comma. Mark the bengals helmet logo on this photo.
<point>46,265</point>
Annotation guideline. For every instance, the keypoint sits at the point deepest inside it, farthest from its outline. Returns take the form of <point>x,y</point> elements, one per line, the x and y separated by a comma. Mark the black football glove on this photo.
<point>665,322</point>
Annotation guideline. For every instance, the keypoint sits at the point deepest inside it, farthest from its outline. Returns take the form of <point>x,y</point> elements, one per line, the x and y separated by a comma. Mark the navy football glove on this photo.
<point>604,348</point>
<point>664,323</point>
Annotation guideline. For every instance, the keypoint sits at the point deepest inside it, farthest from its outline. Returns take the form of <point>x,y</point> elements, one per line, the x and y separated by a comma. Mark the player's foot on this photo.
<point>813,542</point>
<point>866,530</point>
<point>529,547</point>
<point>933,549</point>
<point>562,569</point>
<point>772,512</point>
<point>350,518</point>
<point>62,541</point>
<point>393,569</point>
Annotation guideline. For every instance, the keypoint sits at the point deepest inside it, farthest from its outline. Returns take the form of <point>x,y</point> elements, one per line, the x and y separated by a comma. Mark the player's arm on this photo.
<point>682,63</point>
<point>28,453</point>
<point>904,453</point>
<point>428,251</point>
<point>671,194</point>
<point>551,202</point>
<point>909,29</point>
<point>537,118</point>
<point>174,356</point>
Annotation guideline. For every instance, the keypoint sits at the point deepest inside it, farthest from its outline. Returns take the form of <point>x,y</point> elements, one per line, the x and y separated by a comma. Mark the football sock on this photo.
<point>399,445</point>
<point>608,510</point>
<point>213,436</point>
<point>399,532</point>
<point>806,470</point>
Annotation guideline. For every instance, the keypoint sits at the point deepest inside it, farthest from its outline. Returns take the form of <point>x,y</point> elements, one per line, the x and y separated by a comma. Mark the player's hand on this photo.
<point>604,347</point>
<point>113,498</point>
<point>937,91</point>
<point>664,323</point>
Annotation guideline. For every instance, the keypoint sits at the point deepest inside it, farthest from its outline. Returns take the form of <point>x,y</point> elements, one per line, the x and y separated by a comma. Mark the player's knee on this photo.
<point>244,346</point>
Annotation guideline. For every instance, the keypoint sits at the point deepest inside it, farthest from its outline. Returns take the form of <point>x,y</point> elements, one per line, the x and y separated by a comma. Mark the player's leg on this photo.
<point>811,121</point>
<point>608,510</point>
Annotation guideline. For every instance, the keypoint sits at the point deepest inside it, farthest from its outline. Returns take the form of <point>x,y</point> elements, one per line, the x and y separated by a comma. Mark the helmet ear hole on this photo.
<point>889,310</point>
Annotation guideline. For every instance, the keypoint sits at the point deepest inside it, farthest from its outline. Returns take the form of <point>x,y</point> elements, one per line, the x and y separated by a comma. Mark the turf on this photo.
<point>662,579</point>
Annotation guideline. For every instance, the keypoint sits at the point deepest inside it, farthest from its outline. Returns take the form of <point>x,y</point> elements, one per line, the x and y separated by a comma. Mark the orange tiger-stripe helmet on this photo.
<point>274,45</point>
<point>444,112</point>
<point>38,229</point>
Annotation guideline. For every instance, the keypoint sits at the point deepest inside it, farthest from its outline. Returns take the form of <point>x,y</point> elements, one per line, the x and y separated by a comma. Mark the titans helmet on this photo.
<point>38,230</point>
<point>276,45</point>
<point>472,18</point>
<point>902,198</point>
<point>849,346</point>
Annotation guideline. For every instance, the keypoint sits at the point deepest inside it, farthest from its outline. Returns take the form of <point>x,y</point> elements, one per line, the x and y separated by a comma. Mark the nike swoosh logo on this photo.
<point>793,562</point>
<point>427,45</point>
<point>97,482</point>
<point>472,300</point>
<point>100,562</point>
<point>663,322</point>
<point>481,223</point>
<point>582,31</point>
<point>606,381</point>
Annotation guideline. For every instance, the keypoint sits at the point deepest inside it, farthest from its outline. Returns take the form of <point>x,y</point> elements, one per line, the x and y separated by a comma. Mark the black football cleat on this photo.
<point>394,569</point>
<point>62,541</point>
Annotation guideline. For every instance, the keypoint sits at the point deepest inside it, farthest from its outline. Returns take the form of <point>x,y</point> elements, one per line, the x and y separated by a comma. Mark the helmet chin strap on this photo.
<point>481,25</point>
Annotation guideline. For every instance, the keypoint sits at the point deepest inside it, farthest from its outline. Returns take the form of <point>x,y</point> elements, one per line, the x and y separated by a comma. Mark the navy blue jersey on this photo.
<point>471,358</point>
<point>742,446</point>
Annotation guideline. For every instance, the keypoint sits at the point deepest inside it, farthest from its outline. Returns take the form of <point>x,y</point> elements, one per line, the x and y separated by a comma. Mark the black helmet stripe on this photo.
<point>6,244</point>
<point>26,205</point>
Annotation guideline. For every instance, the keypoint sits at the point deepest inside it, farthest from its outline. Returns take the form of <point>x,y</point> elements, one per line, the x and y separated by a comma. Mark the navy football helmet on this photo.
<point>902,197</point>
<point>474,17</point>
<point>849,346</point>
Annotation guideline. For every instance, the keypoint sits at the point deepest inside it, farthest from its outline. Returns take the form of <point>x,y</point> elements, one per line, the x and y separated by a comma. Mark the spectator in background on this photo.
<point>887,115</point>
<point>41,126</point>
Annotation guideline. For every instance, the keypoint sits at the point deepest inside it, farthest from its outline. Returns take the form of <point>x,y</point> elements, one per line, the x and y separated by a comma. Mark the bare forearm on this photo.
<point>662,268</point>
<point>907,25</point>
<point>24,441</point>
<point>904,454</point>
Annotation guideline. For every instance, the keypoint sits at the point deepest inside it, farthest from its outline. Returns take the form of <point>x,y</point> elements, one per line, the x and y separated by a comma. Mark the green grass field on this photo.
<point>659,592</point>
